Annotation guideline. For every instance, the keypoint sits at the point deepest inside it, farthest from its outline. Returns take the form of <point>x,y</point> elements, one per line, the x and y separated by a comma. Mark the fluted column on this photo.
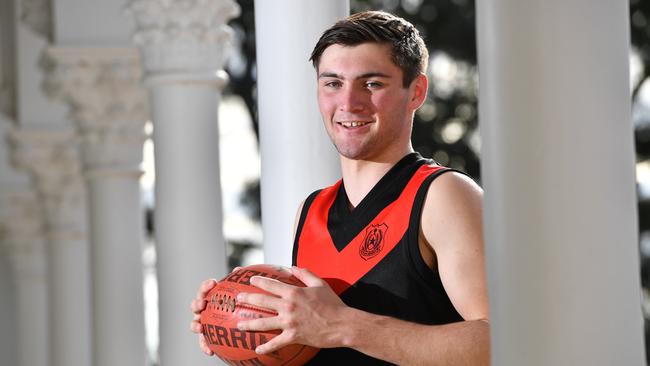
<point>297,156</point>
<point>107,102</point>
<point>183,46</point>
<point>22,236</point>
<point>52,158</point>
<point>558,168</point>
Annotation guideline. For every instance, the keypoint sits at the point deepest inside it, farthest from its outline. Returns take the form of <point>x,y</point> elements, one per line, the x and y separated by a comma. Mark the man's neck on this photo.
<point>360,176</point>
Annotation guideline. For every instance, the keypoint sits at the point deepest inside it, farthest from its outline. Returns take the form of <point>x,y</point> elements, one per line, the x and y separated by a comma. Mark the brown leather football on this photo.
<point>223,312</point>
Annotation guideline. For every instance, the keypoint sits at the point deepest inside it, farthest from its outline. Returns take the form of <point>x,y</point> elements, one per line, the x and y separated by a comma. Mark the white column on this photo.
<point>297,156</point>
<point>51,156</point>
<point>22,239</point>
<point>103,88</point>
<point>183,46</point>
<point>558,169</point>
<point>21,235</point>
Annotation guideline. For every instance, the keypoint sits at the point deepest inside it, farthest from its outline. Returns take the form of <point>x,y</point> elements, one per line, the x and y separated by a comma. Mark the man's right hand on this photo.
<point>197,306</point>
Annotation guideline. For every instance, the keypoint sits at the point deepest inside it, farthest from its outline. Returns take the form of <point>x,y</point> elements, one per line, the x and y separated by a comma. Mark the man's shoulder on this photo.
<point>451,189</point>
<point>452,213</point>
<point>449,178</point>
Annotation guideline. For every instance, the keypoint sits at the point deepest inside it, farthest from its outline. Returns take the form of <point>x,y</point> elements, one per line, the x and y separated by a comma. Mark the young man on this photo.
<point>392,255</point>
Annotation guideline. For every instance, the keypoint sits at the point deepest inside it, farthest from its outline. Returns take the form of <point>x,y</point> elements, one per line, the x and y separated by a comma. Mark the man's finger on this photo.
<point>269,284</point>
<point>260,300</point>
<point>261,324</point>
<point>307,277</point>
<point>204,345</point>
<point>274,344</point>
<point>205,287</point>
<point>195,327</point>
<point>198,305</point>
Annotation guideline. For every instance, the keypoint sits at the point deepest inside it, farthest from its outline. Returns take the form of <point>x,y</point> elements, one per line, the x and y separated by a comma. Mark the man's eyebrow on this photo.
<point>374,74</point>
<point>328,75</point>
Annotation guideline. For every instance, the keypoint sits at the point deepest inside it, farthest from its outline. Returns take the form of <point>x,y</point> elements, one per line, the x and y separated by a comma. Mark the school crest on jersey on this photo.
<point>373,243</point>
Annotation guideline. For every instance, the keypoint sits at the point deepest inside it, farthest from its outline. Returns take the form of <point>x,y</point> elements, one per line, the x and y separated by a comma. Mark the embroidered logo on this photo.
<point>373,243</point>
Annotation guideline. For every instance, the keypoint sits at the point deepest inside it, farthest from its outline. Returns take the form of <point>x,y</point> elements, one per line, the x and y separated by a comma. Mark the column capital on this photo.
<point>186,39</point>
<point>107,102</point>
<point>20,216</point>
<point>21,230</point>
<point>52,159</point>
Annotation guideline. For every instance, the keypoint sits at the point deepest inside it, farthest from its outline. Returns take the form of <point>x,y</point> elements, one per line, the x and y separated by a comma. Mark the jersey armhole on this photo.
<point>413,254</point>
<point>301,222</point>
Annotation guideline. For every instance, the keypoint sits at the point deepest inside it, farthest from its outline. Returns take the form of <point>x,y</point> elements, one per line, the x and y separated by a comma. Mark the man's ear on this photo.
<point>418,91</point>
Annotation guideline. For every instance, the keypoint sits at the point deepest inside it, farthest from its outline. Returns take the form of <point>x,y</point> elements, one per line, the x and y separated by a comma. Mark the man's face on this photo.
<point>366,110</point>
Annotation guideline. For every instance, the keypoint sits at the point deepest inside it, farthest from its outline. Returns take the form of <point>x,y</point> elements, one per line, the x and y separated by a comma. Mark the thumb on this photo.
<point>307,277</point>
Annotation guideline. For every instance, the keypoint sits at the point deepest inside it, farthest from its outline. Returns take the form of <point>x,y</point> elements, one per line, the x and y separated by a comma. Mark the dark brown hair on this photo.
<point>408,50</point>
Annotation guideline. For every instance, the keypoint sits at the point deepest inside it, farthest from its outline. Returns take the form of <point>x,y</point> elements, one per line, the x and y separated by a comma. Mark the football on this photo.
<point>223,312</point>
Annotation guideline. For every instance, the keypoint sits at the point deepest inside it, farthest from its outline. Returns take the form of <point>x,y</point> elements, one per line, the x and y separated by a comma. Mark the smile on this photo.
<point>352,124</point>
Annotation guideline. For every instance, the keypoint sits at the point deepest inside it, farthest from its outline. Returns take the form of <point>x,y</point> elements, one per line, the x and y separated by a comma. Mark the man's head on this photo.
<point>407,47</point>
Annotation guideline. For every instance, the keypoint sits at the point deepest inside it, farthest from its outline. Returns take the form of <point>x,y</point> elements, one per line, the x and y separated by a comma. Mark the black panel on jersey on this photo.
<point>344,224</point>
<point>344,357</point>
<point>412,251</point>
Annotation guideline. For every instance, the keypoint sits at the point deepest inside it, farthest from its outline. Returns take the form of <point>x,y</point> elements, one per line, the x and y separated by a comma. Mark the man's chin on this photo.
<point>351,154</point>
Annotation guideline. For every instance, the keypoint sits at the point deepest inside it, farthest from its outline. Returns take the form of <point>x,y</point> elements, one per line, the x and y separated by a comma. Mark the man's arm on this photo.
<point>451,226</point>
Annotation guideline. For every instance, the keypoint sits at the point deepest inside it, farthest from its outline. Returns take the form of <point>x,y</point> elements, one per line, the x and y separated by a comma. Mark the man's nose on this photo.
<point>352,100</point>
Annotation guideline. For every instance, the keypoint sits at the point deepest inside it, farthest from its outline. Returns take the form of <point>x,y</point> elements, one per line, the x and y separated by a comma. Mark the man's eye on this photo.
<point>373,84</point>
<point>333,84</point>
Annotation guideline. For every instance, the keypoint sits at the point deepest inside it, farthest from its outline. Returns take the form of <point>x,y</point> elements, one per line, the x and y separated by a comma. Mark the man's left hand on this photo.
<point>311,315</point>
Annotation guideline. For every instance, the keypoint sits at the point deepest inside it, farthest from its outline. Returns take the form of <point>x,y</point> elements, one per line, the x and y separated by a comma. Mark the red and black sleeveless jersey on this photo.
<point>370,255</point>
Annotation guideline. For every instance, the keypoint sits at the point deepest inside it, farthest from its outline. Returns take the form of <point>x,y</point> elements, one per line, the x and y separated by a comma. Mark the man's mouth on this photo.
<point>352,124</point>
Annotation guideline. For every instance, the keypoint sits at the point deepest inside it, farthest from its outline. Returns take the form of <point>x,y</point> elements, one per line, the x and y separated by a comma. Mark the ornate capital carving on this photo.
<point>183,36</point>
<point>107,101</point>
<point>20,217</point>
<point>37,14</point>
<point>21,230</point>
<point>52,159</point>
